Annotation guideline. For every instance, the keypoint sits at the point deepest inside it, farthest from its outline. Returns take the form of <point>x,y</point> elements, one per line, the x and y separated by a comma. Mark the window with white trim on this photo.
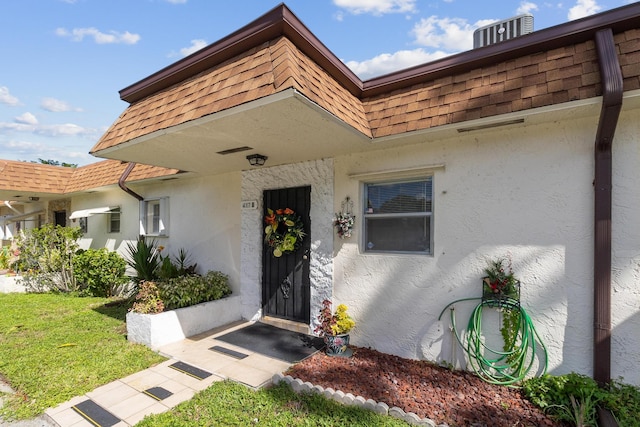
<point>154,217</point>
<point>113,221</point>
<point>398,216</point>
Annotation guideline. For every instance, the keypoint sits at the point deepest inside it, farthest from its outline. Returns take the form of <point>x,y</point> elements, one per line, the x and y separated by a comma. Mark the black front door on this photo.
<point>60,218</point>
<point>285,278</point>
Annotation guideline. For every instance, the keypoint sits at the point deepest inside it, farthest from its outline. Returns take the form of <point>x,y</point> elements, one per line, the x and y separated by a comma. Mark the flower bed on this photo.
<point>156,330</point>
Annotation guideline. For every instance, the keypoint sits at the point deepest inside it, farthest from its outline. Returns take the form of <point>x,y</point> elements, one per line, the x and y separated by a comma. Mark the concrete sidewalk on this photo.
<point>192,366</point>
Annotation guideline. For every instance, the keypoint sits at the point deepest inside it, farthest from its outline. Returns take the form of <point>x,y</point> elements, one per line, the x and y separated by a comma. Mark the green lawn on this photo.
<point>54,347</point>
<point>230,404</point>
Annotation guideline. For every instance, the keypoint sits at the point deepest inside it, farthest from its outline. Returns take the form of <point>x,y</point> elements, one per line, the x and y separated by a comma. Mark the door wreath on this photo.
<point>284,231</point>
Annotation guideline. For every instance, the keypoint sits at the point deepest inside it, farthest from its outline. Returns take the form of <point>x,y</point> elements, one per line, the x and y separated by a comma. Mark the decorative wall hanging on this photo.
<point>345,219</point>
<point>284,231</point>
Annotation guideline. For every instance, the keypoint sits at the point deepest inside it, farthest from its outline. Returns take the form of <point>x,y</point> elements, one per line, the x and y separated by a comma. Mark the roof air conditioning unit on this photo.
<point>503,30</point>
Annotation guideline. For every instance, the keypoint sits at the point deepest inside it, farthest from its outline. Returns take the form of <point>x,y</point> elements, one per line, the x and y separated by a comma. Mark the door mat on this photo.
<point>274,342</point>
<point>190,370</point>
<point>95,414</point>
<point>228,352</point>
<point>158,393</point>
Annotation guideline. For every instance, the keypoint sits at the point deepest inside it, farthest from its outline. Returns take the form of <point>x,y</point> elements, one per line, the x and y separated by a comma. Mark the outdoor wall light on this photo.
<point>256,159</point>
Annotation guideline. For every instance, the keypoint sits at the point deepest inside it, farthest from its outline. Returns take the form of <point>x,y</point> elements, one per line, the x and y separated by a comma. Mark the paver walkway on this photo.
<point>192,367</point>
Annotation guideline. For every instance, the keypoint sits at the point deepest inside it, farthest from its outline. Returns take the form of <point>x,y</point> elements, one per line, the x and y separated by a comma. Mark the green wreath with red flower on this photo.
<point>284,231</point>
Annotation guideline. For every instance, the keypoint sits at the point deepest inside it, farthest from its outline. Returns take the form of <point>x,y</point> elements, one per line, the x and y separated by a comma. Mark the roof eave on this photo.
<point>280,21</point>
<point>578,31</point>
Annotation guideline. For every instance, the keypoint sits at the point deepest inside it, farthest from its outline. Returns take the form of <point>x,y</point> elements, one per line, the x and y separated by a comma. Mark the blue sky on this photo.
<point>64,61</point>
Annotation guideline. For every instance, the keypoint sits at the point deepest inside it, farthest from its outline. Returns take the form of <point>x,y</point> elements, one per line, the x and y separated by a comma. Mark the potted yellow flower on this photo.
<point>334,329</point>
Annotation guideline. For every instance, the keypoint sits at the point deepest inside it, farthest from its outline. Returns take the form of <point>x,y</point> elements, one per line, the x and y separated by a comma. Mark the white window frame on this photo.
<point>152,210</point>
<point>368,214</point>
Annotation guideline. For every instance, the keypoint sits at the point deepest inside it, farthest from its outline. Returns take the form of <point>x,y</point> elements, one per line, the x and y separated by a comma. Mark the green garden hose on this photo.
<point>507,366</point>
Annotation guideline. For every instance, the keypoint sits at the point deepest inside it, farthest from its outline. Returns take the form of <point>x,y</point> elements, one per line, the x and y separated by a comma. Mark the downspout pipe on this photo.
<point>8,204</point>
<point>612,88</point>
<point>123,178</point>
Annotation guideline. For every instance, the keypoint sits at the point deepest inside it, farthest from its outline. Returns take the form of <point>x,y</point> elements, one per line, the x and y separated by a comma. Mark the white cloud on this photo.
<point>583,8</point>
<point>27,119</point>
<point>526,7</point>
<point>449,34</point>
<point>57,106</point>
<point>78,34</point>
<point>388,63</point>
<point>7,98</point>
<point>67,129</point>
<point>177,1</point>
<point>28,151</point>
<point>196,45</point>
<point>445,36</point>
<point>377,7</point>
<point>28,123</point>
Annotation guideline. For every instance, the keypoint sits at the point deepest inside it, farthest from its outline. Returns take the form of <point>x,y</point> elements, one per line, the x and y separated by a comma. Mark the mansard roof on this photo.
<point>277,52</point>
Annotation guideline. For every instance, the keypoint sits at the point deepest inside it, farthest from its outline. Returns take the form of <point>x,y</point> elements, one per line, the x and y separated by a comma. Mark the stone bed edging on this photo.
<point>339,396</point>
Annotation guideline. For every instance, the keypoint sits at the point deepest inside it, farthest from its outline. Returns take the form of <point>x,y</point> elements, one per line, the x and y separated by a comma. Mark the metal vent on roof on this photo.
<point>503,30</point>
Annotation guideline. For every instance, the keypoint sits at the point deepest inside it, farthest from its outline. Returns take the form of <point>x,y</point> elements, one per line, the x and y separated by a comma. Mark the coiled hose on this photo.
<point>509,365</point>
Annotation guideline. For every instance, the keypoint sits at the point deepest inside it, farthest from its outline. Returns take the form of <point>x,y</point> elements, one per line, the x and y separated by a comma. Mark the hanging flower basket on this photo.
<point>344,222</point>
<point>499,285</point>
<point>345,219</point>
<point>284,231</point>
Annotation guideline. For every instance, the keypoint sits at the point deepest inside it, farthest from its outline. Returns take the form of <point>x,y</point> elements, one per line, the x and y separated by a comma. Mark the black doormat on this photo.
<point>274,342</point>
<point>95,414</point>
<point>158,393</point>
<point>190,370</point>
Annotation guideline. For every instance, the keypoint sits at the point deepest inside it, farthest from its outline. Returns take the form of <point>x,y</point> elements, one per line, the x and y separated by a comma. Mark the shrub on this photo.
<point>624,401</point>
<point>147,300</point>
<point>144,258</point>
<point>574,398</point>
<point>4,258</point>
<point>184,291</point>
<point>46,255</point>
<point>99,272</point>
<point>180,266</point>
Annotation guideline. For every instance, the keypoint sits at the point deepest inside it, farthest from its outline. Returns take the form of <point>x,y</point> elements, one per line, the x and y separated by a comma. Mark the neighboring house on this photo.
<point>527,149</point>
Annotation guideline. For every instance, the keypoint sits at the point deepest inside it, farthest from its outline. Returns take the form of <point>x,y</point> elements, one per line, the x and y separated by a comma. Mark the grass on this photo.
<point>229,404</point>
<point>54,347</point>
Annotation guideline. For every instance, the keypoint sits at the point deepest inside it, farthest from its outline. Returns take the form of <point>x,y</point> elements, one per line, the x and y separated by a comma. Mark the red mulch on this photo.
<point>430,391</point>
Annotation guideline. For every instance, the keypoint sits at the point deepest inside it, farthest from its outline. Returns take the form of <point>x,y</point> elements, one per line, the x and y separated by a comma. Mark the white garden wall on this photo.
<point>525,193</point>
<point>156,330</point>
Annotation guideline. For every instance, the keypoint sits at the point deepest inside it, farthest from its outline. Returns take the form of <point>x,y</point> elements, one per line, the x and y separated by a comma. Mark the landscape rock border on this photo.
<point>339,396</point>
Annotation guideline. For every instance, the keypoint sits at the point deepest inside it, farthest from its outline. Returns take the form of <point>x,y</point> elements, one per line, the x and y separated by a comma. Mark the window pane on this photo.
<point>153,217</point>
<point>399,197</point>
<point>398,234</point>
<point>114,222</point>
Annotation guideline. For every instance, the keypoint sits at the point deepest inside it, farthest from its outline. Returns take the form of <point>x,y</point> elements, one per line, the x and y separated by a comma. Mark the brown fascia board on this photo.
<point>578,31</point>
<point>280,21</point>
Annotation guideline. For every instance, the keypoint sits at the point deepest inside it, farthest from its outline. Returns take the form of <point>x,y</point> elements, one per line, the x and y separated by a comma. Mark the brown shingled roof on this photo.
<point>108,172</point>
<point>277,52</point>
<point>264,70</point>
<point>33,177</point>
<point>39,178</point>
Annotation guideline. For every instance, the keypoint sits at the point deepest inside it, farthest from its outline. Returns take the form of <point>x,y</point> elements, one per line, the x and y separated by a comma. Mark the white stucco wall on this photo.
<point>524,193</point>
<point>204,219</point>
<point>319,175</point>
